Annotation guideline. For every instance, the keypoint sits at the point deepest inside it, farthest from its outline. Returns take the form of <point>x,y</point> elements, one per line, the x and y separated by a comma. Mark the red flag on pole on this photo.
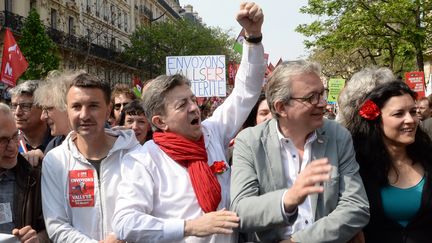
<point>13,62</point>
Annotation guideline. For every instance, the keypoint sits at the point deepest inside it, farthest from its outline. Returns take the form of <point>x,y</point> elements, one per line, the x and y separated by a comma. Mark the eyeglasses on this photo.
<point>4,141</point>
<point>119,105</point>
<point>26,107</point>
<point>47,109</point>
<point>314,98</point>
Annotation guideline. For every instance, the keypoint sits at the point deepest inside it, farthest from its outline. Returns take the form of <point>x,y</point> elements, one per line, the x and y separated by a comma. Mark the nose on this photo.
<point>409,118</point>
<point>44,115</point>
<point>194,106</point>
<point>84,113</point>
<point>322,101</point>
<point>134,125</point>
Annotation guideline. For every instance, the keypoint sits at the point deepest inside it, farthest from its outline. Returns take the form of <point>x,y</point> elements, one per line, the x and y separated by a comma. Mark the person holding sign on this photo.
<point>80,177</point>
<point>176,187</point>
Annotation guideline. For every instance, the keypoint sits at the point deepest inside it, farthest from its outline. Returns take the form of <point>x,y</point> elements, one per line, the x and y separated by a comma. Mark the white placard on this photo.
<point>206,73</point>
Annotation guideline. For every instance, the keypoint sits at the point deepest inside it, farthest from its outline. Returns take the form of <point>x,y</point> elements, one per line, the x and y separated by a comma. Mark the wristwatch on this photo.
<point>253,39</point>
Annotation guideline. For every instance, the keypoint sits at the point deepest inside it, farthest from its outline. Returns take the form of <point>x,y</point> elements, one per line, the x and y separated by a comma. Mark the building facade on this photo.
<point>91,34</point>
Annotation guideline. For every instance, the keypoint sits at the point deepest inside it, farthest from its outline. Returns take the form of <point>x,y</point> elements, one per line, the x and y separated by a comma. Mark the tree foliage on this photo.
<point>379,32</point>
<point>38,48</point>
<point>151,44</point>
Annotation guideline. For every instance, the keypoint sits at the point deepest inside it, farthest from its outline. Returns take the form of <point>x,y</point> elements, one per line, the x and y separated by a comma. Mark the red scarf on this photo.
<point>193,156</point>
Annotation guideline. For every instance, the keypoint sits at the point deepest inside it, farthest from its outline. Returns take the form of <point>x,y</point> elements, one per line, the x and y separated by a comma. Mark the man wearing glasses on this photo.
<point>20,200</point>
<point>295,177</point>
<point>36,134</point>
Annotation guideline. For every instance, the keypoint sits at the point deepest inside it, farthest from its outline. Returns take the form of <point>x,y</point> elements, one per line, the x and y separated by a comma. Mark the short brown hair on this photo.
<point>123,89</point>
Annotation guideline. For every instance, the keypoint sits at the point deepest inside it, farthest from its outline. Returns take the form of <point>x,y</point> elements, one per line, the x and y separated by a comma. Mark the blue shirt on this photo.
<point>402,204</point>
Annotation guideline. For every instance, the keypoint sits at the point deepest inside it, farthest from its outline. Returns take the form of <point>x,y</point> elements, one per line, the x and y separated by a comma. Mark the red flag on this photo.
<point>13,62</point>
<point>279,62</point>
<point>271,67</point>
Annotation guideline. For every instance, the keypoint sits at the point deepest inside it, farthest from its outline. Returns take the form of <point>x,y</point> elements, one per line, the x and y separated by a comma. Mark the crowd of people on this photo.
<point>80,162</point>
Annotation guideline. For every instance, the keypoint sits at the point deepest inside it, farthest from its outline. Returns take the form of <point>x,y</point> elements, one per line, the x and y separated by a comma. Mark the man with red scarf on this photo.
<point>176,187</point>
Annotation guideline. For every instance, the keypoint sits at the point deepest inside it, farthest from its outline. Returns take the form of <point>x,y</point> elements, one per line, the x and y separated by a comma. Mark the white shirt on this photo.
<point>292,167</point>
<point>156,195</point>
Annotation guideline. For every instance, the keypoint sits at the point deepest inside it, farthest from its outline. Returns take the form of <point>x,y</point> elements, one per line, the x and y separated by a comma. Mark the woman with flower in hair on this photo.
<point>395,164</point>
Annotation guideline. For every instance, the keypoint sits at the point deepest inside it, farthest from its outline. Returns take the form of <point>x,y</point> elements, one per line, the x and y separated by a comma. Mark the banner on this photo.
<point>335,86</point>
<point>238,44</point>
<point>415,80</point>
<point>206,73</point>
<point>429,86</point>
<point>232,72</point>
<point>13,62</point>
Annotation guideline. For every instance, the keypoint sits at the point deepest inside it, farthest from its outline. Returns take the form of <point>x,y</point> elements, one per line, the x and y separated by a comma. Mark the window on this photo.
<point>8,5</point>
<point>125,21</point>
<point>71,27</point>
<point>98,7</point>
<point>120,20</point>
<point>53,18</point>
<point>32,4</point>
<point>88,6</point>
<point>89,35</point>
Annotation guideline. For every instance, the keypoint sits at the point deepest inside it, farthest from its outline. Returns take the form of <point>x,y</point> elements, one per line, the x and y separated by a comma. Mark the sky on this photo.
<point>281,17</point>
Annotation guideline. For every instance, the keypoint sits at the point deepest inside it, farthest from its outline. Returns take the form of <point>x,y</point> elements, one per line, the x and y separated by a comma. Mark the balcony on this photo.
<point>146,12</point>
<point>79,45</point>
<point>13,21</point>
<point>168,8</point>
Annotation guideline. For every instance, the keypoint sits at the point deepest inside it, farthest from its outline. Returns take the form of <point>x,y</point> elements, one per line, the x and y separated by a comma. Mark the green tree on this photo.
<point>151,44</point>
<point>38,48</point>
<point>385,33</point>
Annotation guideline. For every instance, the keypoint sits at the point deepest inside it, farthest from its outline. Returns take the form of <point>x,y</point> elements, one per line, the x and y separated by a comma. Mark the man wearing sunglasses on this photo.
<point>297,169</point>
<point>121,96</point>
<point>20,200</point>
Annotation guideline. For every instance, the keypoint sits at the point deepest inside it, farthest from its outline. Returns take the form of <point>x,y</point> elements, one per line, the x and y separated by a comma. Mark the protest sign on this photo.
<point>415,80</point>
<point>206,73</point>
<point>335,86</point>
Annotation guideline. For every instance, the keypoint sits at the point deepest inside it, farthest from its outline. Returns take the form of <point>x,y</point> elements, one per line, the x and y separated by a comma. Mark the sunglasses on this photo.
<point>118,106</point>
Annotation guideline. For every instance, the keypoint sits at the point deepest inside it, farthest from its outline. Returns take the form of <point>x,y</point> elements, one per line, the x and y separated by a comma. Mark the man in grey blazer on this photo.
<point>295,177</point>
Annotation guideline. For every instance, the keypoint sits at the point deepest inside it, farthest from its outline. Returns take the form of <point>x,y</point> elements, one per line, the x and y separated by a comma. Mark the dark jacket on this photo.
<point>382,229</point>
<point>28,202</point>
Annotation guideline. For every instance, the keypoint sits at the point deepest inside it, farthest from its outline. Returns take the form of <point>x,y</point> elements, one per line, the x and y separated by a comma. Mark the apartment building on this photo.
<point>91,34</point>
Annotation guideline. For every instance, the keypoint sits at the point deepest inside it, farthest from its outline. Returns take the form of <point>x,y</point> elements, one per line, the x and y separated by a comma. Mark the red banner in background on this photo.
<point>232,71</point>
<point>415,80</point>
<point>13,62</point>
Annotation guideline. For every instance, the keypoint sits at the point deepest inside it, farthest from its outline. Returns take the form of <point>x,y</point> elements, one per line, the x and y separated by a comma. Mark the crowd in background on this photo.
<point>273,162</point>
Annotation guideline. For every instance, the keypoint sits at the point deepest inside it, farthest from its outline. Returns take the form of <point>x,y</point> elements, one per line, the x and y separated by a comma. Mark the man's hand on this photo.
<point>26,234</point>
<point>111,238</point>
<point>34,157</point>
<point>251,18</point>
<point>219,222</point>
<point>308,182</point>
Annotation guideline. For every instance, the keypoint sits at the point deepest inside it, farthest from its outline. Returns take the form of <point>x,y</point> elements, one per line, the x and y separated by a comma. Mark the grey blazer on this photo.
<point>258,183</point>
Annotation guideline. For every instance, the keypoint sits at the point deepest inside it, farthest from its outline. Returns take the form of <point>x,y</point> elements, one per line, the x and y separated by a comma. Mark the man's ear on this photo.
<point>279,107</point>
<point>159,122</point>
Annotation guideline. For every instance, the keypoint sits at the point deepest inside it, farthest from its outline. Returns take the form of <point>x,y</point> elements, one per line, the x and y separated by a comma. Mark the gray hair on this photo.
<point>278,87</point>
<point>155,94</point>
<point>4,109</point>
<point>26,88</point>
<point>53,91</point>
<point>360,84</point>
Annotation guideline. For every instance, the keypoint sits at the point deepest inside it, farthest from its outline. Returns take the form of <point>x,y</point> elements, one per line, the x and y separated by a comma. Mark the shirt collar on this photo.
<point>311,138</point>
